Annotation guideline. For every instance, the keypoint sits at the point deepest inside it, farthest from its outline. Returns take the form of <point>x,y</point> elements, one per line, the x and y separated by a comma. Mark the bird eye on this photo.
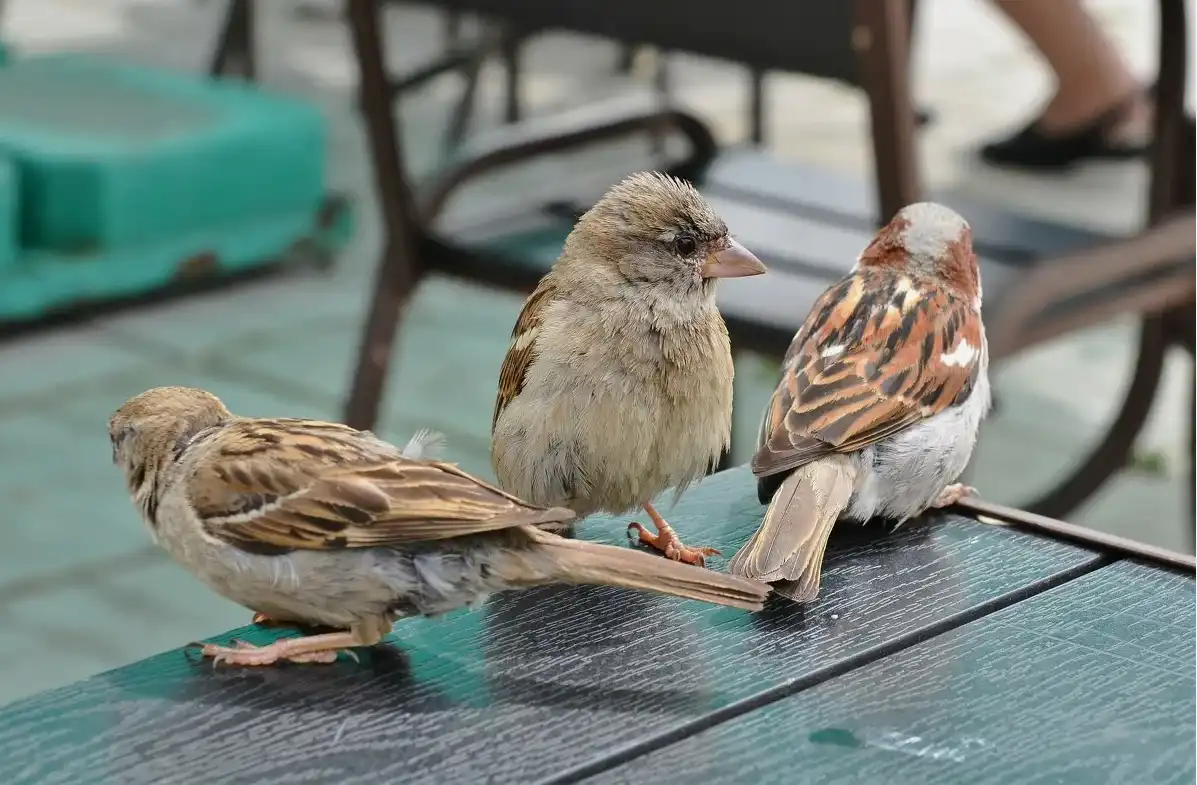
<point>684,245</point>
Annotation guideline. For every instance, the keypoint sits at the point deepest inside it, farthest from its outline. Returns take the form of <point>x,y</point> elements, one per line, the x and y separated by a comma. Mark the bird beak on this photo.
<point>734,261</point>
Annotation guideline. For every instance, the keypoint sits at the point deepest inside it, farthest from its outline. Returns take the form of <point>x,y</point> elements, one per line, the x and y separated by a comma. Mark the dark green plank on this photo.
<point>1091,682</point>
<point>533,685</point>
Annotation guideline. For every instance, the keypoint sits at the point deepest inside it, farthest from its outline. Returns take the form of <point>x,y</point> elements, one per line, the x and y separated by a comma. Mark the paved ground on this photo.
<point>82,590</point>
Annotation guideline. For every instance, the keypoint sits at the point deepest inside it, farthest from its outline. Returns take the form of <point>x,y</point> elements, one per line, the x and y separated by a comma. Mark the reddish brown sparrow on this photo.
<point>318,523</point>
<point>618,382</point>
<point>882,392</point>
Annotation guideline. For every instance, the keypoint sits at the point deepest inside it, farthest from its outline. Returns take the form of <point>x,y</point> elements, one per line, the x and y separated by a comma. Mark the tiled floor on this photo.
<point>81,588</point>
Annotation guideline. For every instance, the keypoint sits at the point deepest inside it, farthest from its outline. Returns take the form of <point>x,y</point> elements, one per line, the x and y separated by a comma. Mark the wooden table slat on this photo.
<point>534,685</point>
<point>1091,682</point>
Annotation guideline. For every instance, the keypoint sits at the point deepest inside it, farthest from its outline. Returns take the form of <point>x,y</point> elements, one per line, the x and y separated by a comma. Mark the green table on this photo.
<point>949,651</point>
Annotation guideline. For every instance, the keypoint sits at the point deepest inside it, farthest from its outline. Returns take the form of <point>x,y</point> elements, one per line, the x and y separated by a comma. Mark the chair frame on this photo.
<point>880,40</point>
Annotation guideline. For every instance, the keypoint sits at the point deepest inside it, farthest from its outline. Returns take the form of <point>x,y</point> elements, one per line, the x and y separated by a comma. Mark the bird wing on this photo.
<point>522,351</point>
<point>270,486</point>
<point>879,352</point>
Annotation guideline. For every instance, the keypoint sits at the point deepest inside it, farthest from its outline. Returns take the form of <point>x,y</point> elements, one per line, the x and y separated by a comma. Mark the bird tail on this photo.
<point>787,550</point>
<point>580,562</point>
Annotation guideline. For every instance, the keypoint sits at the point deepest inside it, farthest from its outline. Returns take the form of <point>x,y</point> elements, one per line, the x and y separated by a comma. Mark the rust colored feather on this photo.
<point>880,351</point>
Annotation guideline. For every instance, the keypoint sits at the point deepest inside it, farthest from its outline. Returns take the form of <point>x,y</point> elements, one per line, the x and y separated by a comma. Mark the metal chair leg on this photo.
<point>510,46</point>
<point>236,43</point>
<point>400,268</point>
<point>452,29</point>
<point>1112,453</point>
<point>881,40</point>
<point>463,111</point>
<point>756,106</point>
<point>1181,327</point>
<point>663,86</point>
<point>1191,529</point>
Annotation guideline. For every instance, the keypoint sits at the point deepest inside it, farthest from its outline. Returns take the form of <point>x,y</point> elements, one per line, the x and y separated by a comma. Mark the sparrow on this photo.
<point>617,384</point>
<point>318,523</point>
<point>882,392</point>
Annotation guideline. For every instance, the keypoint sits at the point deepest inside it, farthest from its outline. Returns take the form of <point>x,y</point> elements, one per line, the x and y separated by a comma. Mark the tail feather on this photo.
<point>580,562</point>
<point>787,550</point>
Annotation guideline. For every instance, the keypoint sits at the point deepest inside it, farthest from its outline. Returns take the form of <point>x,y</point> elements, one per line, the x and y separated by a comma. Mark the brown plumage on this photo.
<point>318,523</point>
<point>618,381</point>
<point>881,394</point>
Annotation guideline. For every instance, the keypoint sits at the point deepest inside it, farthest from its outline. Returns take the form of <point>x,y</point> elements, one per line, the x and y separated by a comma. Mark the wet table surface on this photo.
<point>948,651</point>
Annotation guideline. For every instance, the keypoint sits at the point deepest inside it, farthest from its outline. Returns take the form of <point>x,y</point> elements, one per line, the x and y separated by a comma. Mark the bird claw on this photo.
<point>671,547</point>
<point>952,494</point>
<point>689,554</point>
<point>244,653</point>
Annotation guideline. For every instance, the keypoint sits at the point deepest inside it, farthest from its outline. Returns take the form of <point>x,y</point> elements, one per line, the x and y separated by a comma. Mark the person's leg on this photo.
<point>1099,108</point>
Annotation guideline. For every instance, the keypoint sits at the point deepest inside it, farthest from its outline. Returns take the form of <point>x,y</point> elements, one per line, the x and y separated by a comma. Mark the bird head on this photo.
<point>931,241</point>
<point>656,232</point>
<point>149,427</point>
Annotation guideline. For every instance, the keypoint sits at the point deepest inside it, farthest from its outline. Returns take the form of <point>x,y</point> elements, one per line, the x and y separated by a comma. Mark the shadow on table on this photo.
<point>572,647</point>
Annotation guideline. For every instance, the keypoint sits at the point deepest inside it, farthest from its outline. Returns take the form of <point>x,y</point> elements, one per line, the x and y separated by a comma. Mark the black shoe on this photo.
<point>1031,148</point>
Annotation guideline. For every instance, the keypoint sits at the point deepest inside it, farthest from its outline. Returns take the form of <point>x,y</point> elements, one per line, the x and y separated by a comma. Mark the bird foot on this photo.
<point>262,620</point>
<point>952,494</point>
<point>297,650</point>
<point>668,543</point>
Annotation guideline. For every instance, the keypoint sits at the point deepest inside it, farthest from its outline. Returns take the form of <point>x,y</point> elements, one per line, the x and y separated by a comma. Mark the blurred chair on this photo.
<point>234,55</point>
<point>807,225</point>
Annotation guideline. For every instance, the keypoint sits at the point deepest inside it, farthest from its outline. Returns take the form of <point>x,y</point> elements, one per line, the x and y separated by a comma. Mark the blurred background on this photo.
<point>103,108</point>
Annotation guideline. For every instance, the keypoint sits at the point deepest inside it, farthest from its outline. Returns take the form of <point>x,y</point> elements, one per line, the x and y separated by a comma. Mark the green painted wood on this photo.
<point>535,683</point>
<point>1091,682</point>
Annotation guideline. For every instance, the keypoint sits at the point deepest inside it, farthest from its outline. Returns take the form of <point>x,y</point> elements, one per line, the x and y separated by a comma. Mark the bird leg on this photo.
<point>667,541</point>
<point>263,620</point>
<point>952,494</point>
<point>322,648</point>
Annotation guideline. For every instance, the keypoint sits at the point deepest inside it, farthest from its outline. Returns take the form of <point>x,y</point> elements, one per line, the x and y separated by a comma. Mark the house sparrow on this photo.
<point>618,381</point>
<point>881,395</point>
<point>323,524</point>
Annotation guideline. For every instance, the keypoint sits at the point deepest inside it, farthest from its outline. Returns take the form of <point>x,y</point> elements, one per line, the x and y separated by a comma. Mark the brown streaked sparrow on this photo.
<point>618,382</point>
<point>319,523</point>
<point>881,395</point>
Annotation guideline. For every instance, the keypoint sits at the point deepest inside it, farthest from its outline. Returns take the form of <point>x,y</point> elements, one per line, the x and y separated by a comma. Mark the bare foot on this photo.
<point>321,649</point>
<point>952,494</point>
<point>667,542</point>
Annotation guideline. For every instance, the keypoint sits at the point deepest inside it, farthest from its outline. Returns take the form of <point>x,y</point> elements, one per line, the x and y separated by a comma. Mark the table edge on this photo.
<point>1099,541</point>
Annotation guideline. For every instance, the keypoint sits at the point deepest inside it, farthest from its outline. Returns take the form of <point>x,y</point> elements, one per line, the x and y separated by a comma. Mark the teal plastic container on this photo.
<point>112,154</point>
<point>120,179</point>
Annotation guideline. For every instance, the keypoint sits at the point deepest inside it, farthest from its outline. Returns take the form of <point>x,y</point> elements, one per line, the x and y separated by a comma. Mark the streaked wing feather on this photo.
<point>522,350</point>
<point>300,491</point>
<point>866,365</point>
